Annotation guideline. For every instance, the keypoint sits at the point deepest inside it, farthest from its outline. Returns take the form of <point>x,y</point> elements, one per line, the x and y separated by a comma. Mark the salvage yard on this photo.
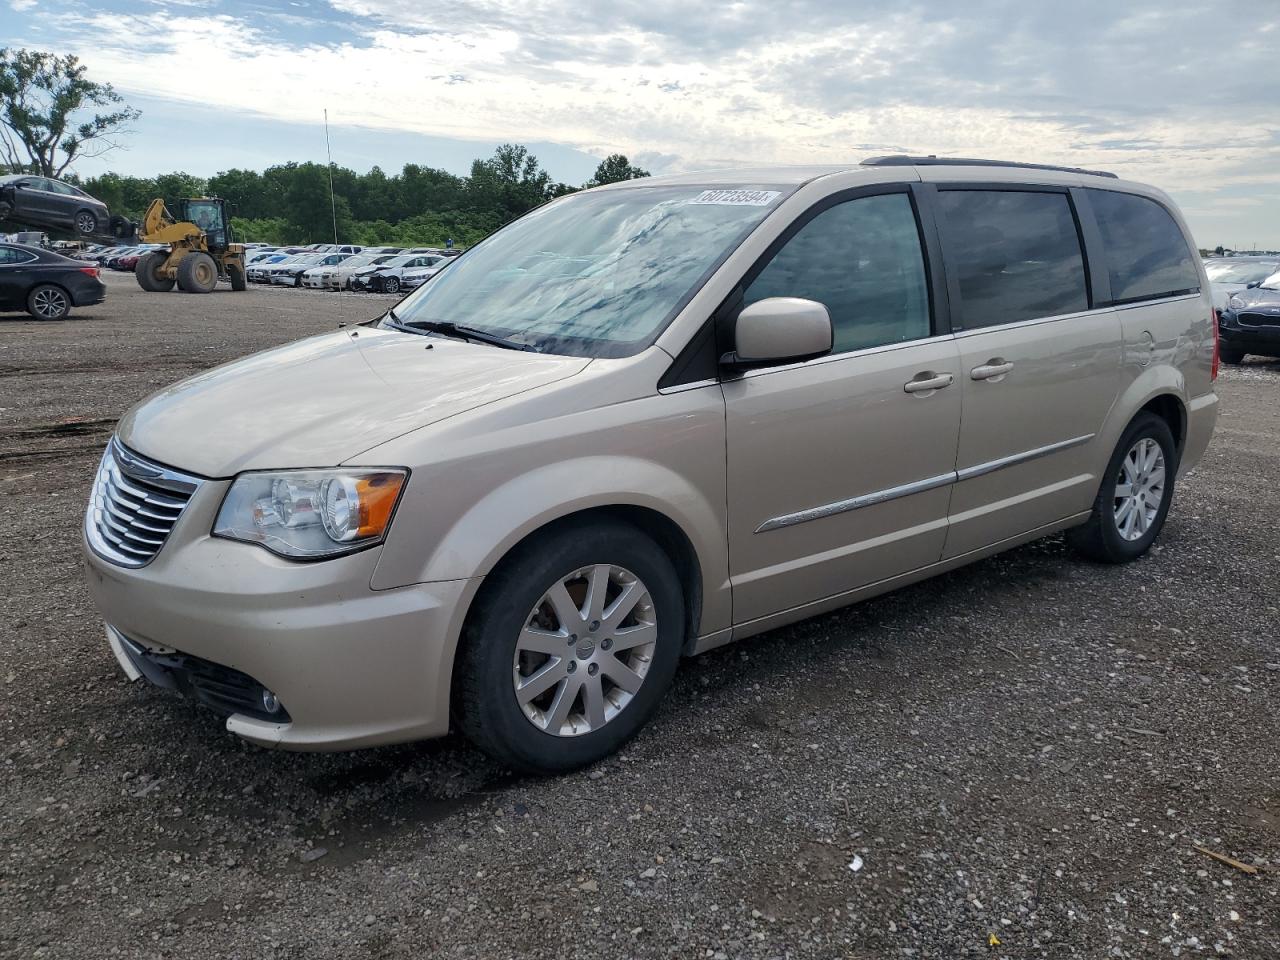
<point>1018,759</point>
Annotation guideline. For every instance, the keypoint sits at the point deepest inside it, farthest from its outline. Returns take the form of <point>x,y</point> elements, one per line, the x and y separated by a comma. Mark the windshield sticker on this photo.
<point>743,198</point>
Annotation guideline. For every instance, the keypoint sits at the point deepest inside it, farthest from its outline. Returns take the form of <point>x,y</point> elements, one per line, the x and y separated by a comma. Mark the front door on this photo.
<point>840,468</point>
<point>1040,366</point>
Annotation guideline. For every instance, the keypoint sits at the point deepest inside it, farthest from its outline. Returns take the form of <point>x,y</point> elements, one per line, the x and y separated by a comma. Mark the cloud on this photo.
<point>1177,94</point>
<point>19,6</point>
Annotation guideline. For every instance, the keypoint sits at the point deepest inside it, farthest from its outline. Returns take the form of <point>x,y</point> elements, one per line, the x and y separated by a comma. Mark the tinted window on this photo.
<point>862,261</point>
<point>1017,255</point>
<point>11,255</point>
<point>1147,255</point>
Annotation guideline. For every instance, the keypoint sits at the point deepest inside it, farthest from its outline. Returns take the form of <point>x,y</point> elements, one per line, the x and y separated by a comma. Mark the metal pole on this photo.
<point>333,204</point>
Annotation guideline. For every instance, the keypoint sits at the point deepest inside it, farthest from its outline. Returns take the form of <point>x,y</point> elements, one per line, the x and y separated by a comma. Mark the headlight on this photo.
<point>311,514</point>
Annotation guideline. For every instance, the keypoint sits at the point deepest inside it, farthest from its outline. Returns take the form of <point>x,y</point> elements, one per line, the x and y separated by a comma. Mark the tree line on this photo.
<point>52,115</point>
<point>419,206</point>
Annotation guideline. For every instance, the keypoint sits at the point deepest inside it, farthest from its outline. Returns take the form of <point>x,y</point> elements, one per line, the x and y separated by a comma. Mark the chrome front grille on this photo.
<point>1260,319</point>
<point>134,506</point>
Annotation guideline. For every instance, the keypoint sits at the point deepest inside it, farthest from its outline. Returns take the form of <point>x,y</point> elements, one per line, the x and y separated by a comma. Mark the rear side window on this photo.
<point>1017,255</point>
<point>862,260</point>
<point>8,255</point>
<point>1147,254</point>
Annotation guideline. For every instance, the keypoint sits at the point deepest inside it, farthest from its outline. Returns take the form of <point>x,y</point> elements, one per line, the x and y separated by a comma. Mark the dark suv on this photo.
<point>52,205</point>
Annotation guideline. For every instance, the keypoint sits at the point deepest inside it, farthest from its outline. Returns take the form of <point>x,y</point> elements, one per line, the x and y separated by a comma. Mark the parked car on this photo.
<point>1232,274</point>
<point>650,420</point>
<point>290,275</point>
<point>338,276</point>
<point>379,251</point>
<point>261,272</point>
<point>1251,322</point>
<point>386,277</point>
<point>298,262</point>
<point>44,202</point>
<point>413,278</point>
<point>46,284</point>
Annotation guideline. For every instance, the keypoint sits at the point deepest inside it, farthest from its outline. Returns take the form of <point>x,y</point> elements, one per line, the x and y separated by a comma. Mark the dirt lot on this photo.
<point>1027,750</point>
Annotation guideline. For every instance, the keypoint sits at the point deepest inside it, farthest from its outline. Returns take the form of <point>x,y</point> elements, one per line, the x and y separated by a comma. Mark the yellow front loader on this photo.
<point>199,251</point>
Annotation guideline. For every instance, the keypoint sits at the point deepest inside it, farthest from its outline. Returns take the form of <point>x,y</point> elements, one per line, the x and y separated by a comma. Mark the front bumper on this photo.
<point>1262,338</point>
<point>351,666</point>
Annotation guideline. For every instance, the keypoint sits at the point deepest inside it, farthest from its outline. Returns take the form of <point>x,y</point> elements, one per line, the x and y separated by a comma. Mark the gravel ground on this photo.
<point>1020,756</point>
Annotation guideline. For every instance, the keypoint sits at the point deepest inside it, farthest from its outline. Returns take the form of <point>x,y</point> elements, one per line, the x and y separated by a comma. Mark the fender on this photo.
<point>477,540</point>
<point>1158,379</point>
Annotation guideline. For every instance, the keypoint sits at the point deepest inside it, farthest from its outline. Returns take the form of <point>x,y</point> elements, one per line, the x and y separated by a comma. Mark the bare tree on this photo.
<point>41,95</point>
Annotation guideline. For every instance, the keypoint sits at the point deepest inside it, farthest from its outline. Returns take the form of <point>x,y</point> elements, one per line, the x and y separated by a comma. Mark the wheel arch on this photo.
<point>1169,408</point>
<point>665,532</point>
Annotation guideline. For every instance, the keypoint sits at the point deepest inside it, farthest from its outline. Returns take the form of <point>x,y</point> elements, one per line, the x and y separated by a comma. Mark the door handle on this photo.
<point>992,369</point>
<point>928,381</point>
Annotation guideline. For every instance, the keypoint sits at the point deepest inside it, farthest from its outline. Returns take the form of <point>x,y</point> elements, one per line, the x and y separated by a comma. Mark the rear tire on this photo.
<point>1124,521</point>
<point>197,273</point>
<point>236,273</point>
<point>86,223</point>
<point>148,272</point>
<point>599,713</point>
<point>1230,355</point>
<point>47,302</point>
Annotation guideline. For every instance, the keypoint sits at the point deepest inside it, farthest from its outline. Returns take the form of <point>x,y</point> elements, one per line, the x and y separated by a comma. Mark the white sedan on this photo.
<point>338,276</point>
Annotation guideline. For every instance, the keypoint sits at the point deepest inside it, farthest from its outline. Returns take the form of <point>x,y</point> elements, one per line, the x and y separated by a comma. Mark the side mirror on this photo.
<point>1253,285</point>
<point>23,184</point>
<point>780,330</point>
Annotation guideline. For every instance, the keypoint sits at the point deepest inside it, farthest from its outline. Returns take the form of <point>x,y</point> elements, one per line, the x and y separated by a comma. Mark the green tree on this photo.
<point>615,168</point>
<point>41,97</point>
<point>508,184</point>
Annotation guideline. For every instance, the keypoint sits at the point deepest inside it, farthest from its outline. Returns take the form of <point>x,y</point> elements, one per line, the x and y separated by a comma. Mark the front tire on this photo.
<point>197,273</point>
<point>147,272</point>
<point>47,302</point>
<point>391,285</point>
<point>1135,495</point>
<point>570,647</point>
<point>1230,355</point>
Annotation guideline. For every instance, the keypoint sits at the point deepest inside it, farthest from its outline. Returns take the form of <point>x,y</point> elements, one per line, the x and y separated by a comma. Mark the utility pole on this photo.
<point>333,204</point>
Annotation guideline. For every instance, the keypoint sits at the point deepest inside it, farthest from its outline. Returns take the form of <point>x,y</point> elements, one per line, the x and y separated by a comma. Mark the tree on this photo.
<point>614,168</point>
<point>40,96</point>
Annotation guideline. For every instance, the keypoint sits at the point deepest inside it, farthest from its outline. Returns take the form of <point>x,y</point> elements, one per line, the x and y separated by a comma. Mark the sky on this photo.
<point>1185,95</point>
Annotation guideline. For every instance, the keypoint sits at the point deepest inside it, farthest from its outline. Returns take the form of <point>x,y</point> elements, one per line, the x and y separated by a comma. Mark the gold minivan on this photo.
<point>643,421</point>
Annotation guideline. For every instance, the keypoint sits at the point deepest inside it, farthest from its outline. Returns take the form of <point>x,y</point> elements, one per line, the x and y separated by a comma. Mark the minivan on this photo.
<point>643,421</point>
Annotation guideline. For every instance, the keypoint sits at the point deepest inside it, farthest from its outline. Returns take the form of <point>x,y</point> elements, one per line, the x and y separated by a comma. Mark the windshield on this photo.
<point>399,261</point>
<point>595,274</point>
<point>1247,272</point>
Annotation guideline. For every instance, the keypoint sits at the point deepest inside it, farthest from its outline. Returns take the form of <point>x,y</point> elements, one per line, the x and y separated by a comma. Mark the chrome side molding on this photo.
<point>919,486</point>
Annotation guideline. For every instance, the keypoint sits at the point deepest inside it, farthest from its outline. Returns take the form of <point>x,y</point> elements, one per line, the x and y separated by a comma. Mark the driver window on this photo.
<point>862,260</point>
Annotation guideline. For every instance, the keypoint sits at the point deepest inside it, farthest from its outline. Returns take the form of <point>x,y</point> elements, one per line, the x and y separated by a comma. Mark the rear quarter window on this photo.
<point>1147,254</point>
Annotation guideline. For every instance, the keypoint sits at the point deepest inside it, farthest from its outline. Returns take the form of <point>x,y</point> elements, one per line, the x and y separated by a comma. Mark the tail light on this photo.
<point>91,271</point>
<point>1217,340</point>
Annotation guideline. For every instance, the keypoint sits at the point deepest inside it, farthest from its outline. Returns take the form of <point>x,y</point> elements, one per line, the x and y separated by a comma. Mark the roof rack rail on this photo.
<point>902,160</point>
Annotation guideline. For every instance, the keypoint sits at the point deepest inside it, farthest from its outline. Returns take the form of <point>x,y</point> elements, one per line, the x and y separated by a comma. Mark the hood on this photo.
<point>320,401</point>
<point>1258,300</point>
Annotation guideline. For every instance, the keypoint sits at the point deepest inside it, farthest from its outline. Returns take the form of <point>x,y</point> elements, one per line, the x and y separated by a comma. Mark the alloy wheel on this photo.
<point>1139,489</point>
<point>50,304</point>
<point>86,222</point>
<point>584,650</point>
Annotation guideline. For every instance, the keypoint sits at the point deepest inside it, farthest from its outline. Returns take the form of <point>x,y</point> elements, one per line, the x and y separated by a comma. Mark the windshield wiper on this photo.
<point>451,329</point>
